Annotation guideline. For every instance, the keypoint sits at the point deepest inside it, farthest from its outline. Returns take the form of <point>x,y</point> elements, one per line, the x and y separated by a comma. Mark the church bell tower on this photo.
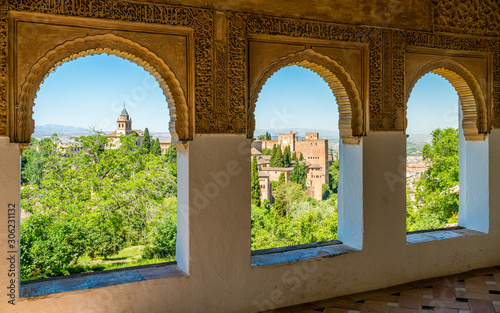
<point>124,122</point>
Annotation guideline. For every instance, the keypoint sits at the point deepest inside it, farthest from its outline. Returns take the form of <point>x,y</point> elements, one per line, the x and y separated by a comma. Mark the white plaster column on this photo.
<point>384,191</point>
<point>474,204</point>
<point>350,195</point>
<point>182,243</point>
<point>217,191</point>
<point>10,215</point>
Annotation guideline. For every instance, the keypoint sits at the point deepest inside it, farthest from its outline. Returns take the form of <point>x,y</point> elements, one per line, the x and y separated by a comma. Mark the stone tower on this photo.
<point>124,122</point>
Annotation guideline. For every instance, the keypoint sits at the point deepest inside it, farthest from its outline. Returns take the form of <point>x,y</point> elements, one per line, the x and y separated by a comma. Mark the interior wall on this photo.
<point>221,278</point>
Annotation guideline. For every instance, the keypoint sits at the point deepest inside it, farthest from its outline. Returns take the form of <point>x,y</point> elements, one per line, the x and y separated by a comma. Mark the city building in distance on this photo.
<point>317,159</point>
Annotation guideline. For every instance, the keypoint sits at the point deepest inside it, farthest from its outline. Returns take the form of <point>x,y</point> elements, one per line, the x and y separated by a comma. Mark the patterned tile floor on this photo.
<point>472,292</point>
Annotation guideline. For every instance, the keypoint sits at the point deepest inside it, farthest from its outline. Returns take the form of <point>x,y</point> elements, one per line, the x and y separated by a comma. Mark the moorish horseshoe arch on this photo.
<point>351,121</point>
<point>473,104</point>
<point>23,124</point>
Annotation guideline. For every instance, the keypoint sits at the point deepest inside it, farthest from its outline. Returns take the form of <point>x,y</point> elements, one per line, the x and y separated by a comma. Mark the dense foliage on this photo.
<point>437,191</point>
<point>93,198</point>
<point>306,222</point>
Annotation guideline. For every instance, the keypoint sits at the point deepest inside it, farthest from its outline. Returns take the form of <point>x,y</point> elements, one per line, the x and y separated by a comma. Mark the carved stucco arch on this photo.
<point>472,100</point>
<point>98,44</point>
<point>351,121</point>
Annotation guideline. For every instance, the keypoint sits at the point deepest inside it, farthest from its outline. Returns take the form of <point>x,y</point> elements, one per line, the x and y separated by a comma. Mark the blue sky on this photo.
<point>90,91</point>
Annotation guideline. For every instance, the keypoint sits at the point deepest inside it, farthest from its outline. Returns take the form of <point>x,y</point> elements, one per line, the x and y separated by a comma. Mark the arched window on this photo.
<point>452,187</point>
<point>432,170</point>
<point>302,110</point>
<point>93,198</point>
<point>295,156</point>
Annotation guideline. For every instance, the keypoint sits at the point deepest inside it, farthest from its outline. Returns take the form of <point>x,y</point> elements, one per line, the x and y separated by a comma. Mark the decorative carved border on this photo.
<point>237,48</point>
<point>465,43</point>
<point>475,17</point>
<point>3,68</point>
<point>343,87</point>
<point>200,20</point>
<point>24,125</point>
<point>474,110</point>
<point>384,113</point>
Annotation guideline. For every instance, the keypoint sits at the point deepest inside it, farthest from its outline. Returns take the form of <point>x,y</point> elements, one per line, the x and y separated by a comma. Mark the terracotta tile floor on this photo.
<point>477,291</point>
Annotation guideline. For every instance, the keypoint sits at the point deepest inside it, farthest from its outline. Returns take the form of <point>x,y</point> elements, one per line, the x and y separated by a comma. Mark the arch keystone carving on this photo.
<point>472,100</point>
<point>347,95</point>
<point>23,125</point>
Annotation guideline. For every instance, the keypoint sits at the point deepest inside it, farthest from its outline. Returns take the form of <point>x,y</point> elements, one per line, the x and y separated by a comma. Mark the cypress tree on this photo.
<point>155,147</point>
<point>294,156</point>
<point>286,157</point>
<point>281,179</point>
<point>298,174</point>
<point>171,154</point>
<point>272,161</point>
<point>301,158</point>
<point>279,157</point>
<point>255,182</point>
<point>279,203</point>
<point>268,136</point>
<point>146,143</point>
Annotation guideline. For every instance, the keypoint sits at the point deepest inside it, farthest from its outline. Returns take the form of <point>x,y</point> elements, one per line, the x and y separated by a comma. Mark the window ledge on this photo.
<point>439,234</point>
<point>324,249</point>
<point>91,280</point>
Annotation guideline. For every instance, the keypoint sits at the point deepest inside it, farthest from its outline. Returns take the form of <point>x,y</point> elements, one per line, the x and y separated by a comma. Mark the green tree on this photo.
<point>164,240</point>
<point>267,151</point>
<point>286,157</point>
<point>268,136</point>
<point>437,191</point>
<point>33,159</point>
<point>93,202</point>
<point>171,154</point>
<point>333,172</point>
<point>279,204</point>
<point>298,174</point>
<point>255,182</point>
<point>301,158</point>
<point>286,195</point>
<point>294,156</point>
<point>155,147</point>
<point>171,158</point>
<point>274,152</point>
<point>261,137</point>
<point>145,146</point>
<point>276,157</point>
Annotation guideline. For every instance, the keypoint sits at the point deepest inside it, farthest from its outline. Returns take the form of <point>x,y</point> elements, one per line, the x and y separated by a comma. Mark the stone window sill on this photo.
<point>323,249</point>
<point>439,234</point>
<point>91,280</point>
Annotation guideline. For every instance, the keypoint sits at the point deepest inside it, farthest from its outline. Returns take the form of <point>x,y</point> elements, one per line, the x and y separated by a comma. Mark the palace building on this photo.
<point>315,153</point>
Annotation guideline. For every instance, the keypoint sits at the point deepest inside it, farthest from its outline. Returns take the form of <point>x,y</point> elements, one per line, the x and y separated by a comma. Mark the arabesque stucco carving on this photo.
<point>221,95</point>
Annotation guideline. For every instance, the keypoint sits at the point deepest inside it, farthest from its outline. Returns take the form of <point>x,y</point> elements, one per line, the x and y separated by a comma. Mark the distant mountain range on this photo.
<point>65,132</point>
<point>54,128</point>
